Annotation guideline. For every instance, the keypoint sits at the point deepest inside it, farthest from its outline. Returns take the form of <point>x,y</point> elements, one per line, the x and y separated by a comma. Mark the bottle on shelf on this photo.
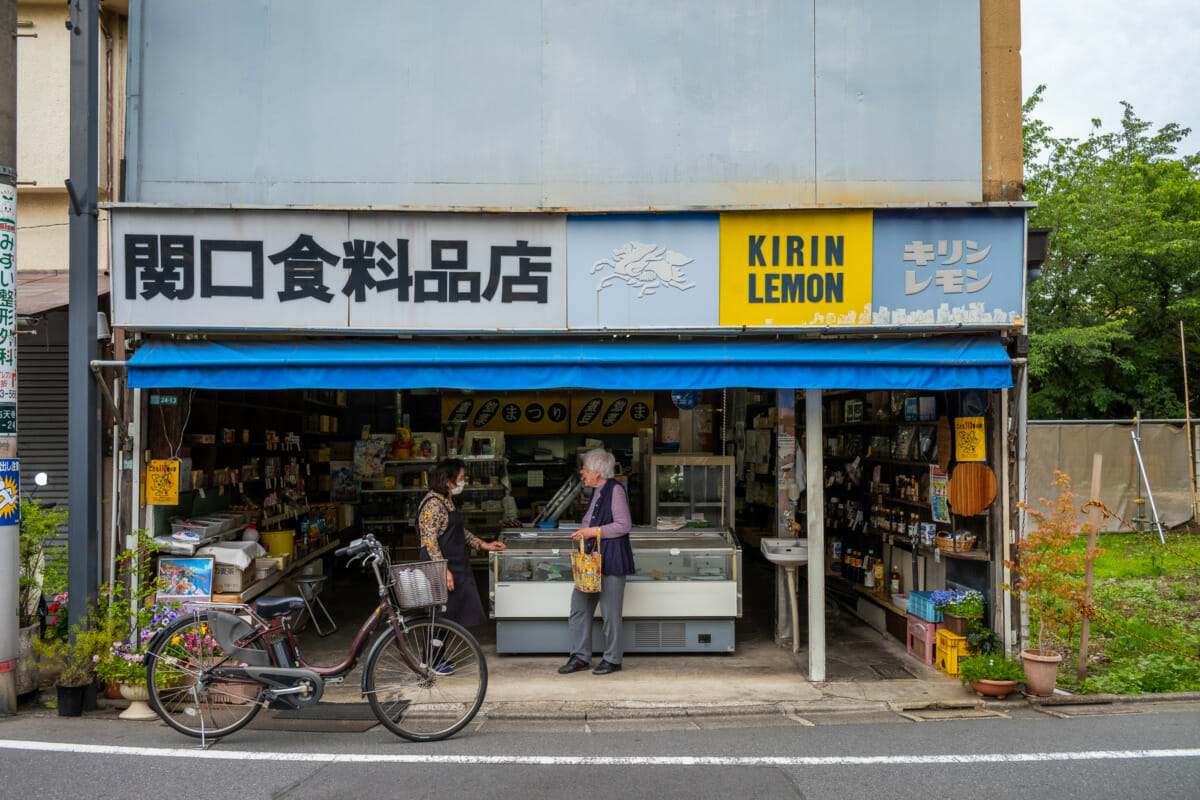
<point>878,580</point>
<point>869,570</point>
<point>896,584</point>
<point>835,560</point>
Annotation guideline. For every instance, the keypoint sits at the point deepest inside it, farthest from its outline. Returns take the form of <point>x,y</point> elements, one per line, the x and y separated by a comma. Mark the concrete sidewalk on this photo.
<point>865,670</point>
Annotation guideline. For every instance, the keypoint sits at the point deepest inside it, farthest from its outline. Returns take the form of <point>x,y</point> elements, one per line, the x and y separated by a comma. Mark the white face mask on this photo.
<point>458,487</point>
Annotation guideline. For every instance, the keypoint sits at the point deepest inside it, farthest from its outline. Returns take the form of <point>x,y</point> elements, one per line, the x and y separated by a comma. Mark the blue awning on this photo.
<point>931,363</point>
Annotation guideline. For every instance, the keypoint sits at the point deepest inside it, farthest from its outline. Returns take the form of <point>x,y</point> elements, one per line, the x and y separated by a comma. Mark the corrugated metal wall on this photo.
<point>554,105</point>
<point>42,416</point>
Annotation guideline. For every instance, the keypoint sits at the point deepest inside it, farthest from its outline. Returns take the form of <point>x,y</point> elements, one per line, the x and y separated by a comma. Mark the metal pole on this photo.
<point>10,490</point>
<point>84,466</point>
<point>816,534</point>
<point>1187,410</point>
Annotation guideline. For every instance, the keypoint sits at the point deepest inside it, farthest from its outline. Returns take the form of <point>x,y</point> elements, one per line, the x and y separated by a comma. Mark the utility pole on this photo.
<point>10,494</point>
<point>84,466</point>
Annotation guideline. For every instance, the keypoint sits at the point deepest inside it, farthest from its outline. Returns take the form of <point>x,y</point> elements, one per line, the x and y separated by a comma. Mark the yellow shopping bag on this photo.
<point>586,568</point>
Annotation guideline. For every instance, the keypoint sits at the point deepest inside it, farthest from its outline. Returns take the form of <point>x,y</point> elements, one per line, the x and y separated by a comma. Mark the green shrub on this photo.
<point>990,668</point>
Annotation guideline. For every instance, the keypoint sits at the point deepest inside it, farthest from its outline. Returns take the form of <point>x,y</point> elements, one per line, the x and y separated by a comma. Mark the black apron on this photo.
<point>463,605</point>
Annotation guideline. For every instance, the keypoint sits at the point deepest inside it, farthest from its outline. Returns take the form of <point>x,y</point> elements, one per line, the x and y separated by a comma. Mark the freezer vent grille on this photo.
<point>662,635</point>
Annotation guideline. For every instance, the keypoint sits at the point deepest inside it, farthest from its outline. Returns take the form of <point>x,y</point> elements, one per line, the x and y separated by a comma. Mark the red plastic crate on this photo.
<point>925,632</point>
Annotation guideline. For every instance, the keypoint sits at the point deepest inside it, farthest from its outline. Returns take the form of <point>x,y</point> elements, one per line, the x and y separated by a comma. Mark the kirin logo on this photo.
<point>646,267</point>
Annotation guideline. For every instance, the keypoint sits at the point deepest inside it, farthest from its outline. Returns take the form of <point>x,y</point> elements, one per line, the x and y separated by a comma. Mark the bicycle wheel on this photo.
<point>185,694</point>
<point>425,709</point>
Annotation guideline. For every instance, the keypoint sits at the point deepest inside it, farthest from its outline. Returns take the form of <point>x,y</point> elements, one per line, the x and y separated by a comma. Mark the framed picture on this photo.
<point>185,577</point>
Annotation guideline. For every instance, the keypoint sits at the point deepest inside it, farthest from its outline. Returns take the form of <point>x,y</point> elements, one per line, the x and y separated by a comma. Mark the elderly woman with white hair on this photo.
<point>607,523</point>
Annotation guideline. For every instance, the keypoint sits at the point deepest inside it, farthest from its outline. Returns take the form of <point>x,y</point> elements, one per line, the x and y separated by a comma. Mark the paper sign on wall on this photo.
<point>162,483</point>
<point>970,443</point>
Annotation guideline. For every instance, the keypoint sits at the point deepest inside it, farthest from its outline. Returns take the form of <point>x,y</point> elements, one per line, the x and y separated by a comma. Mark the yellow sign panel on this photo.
<point>162,483</point>
<point>792,268</point>
<point>509,413</point>
<point>611,412</point>
<point>970,444</point>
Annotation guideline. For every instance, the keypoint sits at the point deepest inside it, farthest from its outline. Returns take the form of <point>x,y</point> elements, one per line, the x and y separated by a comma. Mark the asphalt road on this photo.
<point>1129,751</point>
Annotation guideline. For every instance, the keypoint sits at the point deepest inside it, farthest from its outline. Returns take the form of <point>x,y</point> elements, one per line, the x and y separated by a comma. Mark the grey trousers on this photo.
<point>611,598</point>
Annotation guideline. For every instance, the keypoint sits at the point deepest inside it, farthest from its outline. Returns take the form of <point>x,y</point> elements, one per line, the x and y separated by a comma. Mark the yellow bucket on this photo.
<point>278,543</point>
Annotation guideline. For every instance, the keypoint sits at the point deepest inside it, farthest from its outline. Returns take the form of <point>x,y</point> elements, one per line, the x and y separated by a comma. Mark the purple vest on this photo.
<point>616,554</point>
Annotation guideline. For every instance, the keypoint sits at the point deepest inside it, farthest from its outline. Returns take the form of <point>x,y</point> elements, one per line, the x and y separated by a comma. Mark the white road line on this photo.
<point>599,761</point>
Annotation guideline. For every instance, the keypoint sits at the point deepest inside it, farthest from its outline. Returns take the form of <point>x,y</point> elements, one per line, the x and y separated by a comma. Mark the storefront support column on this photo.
<point>816,534</point>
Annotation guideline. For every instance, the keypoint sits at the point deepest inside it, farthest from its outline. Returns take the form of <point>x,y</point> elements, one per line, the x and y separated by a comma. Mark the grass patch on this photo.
<point>1150,639</point>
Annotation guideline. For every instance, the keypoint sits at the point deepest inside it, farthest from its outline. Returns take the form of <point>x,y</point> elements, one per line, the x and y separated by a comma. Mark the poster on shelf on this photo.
<point>162,482</point>
<point>939,492</point>
<point>343,487</point>
<point>970,443</point>
<point>368,458</point>
<point>189,578</point>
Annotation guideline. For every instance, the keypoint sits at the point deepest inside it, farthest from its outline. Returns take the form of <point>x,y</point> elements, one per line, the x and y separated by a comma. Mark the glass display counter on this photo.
<point>691,489</point>
<point>684,597</point>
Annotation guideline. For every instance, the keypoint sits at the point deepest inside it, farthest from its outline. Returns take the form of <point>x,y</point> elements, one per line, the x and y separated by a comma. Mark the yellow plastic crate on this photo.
<point>951,648</point>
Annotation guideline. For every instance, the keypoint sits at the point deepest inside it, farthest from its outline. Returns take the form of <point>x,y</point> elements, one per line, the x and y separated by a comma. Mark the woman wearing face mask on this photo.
<point>443,536</point>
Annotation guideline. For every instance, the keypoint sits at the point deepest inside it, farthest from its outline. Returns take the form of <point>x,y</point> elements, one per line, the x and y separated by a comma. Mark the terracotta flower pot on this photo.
<point>1041,668</point>
<point>997,689</point>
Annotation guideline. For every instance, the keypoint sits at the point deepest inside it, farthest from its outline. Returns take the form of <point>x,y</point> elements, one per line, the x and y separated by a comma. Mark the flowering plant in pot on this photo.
<point>1051,577</point>
<point>991,675</point>
<point>958,607</point>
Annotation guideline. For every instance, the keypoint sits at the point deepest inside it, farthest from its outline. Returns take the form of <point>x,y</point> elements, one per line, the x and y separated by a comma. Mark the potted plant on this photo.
<point>958,608</point>
<point>37,526</point>
<point>73,659</point>
<point>991,675</point>
<point>1051,578</point>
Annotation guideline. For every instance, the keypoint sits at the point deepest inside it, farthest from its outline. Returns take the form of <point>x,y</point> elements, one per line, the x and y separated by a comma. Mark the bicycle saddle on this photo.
<point>271,607</point>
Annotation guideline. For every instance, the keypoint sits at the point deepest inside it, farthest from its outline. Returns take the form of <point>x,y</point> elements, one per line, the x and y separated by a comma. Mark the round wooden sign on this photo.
<point>972,488</point>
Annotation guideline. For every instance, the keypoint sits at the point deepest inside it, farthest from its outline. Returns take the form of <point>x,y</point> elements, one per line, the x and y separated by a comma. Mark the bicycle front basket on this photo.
<point>418,584</point>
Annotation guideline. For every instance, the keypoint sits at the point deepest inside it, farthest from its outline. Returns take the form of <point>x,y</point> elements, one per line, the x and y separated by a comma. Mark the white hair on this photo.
<point>601,462</point>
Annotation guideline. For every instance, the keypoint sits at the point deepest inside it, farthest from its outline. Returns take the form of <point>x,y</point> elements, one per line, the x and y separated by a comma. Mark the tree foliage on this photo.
<point>1123,269</point>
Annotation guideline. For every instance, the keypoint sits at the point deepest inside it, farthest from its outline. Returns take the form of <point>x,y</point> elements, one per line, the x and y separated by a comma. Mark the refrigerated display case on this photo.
<point>684,597</point>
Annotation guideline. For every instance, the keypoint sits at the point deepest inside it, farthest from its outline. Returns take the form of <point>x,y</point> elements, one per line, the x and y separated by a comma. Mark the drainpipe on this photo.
<point>816,535</point>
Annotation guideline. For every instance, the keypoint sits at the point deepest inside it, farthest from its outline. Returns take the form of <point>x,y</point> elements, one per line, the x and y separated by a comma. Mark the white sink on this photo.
<point>785,552</point>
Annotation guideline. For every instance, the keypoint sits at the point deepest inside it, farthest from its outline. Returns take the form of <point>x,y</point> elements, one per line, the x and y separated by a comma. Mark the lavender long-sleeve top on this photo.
<point>622,522</point>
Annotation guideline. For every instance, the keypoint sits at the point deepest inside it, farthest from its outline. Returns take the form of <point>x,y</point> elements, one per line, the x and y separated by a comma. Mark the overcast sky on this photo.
<point>1092,54</point>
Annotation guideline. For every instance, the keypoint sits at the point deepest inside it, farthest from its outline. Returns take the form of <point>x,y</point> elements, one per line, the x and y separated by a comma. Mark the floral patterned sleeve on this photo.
<point>432,522</point>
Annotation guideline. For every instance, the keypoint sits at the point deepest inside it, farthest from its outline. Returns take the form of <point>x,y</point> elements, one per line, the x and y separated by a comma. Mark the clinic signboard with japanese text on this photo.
<point>338,271</point>
<point>395,272</point>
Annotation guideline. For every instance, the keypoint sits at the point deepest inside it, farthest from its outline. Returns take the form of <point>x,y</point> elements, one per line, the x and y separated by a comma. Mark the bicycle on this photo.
<point>212,670</point>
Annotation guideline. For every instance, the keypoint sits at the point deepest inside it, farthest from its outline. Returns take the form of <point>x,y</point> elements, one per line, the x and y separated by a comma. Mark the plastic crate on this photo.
<point>920,638</point>
<point>921,604</point>
<point>951,648</point>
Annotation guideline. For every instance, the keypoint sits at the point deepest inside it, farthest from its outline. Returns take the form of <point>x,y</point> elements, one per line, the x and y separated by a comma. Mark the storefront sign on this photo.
<point>339,271</point>
<point>951,266</point>
<point>162,483</point>
<point>348,272</point>
<point>796,268</point>
<point>8,309</point>
<point>969,441</point>
<point>643,272</point>
<point>10,491</point>
<point>611,412</point>
<point>508,413</point>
